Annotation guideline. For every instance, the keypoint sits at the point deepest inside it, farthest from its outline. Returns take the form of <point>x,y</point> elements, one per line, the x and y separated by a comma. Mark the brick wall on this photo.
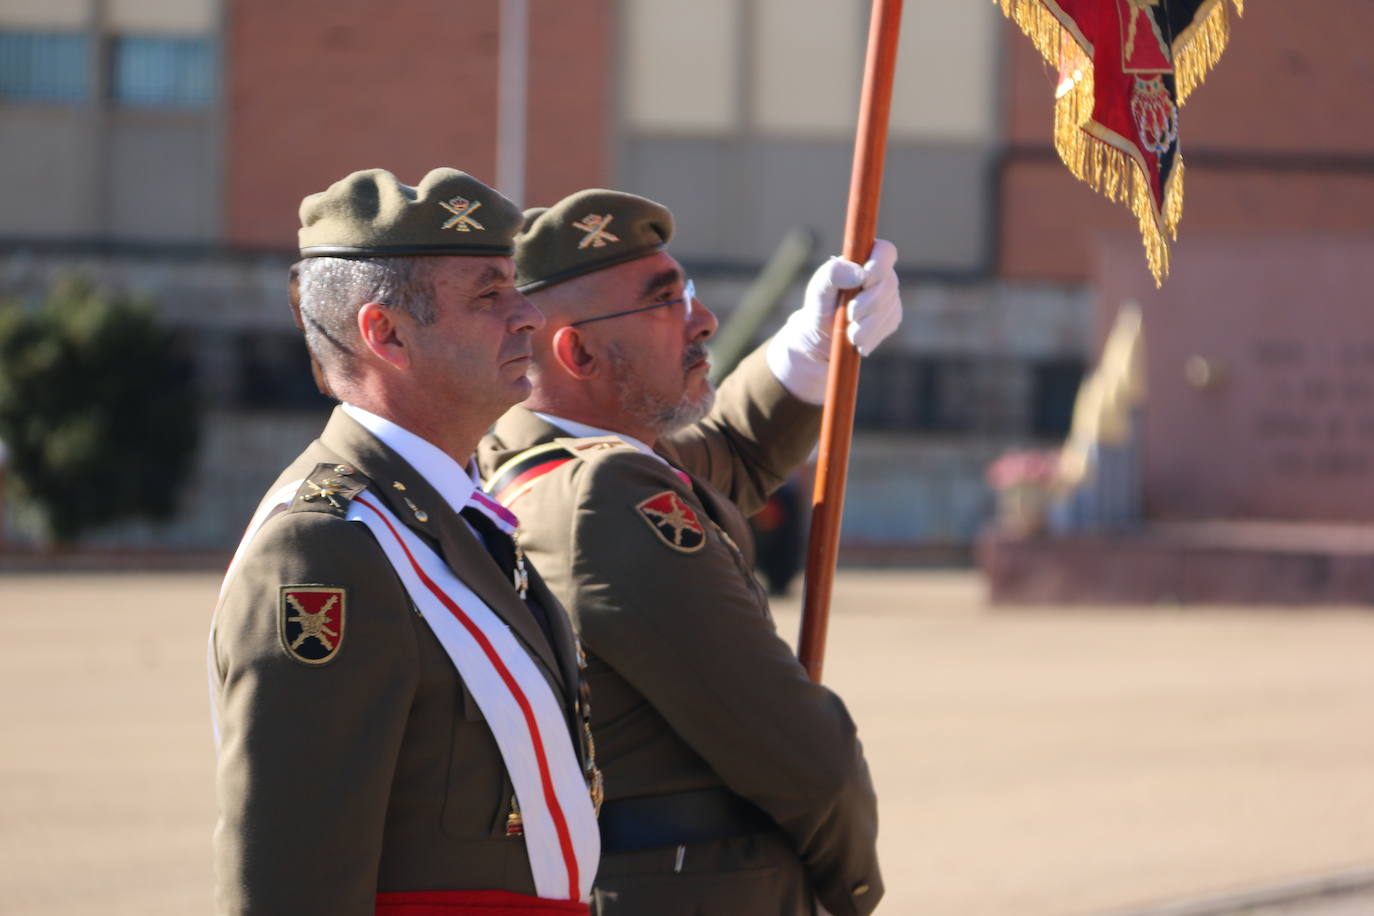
<point>315,91</point>
<point>572,59</point>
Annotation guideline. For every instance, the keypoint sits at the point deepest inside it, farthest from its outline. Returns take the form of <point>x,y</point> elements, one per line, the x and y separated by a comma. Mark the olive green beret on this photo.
<point>587,231</point>
<point>371,214</point>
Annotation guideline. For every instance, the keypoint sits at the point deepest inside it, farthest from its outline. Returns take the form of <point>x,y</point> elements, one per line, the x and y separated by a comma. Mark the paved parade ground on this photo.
<point>1030,762</point>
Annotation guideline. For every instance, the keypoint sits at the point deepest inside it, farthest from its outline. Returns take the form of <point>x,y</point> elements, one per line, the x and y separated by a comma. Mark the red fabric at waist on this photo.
<point>482,903</point>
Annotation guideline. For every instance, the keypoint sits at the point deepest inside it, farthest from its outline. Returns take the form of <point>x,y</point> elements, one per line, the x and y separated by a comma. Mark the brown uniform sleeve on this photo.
<point>691,632</point>
<point>307,752</point>
<point>753,437</point>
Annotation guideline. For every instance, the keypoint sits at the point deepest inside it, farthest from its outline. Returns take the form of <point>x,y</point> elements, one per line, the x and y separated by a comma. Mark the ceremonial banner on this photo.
<point>1125,67</point>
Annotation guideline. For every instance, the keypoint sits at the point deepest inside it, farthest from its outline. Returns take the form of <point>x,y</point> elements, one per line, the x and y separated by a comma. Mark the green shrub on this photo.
<point>97,408</point>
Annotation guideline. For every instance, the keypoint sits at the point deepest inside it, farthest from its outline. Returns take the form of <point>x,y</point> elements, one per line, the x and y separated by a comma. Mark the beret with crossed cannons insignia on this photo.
<point>585,232</point>
<point>371,214</point>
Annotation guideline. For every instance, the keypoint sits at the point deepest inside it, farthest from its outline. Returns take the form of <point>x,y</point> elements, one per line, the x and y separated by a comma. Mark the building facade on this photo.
<point>163,146</point>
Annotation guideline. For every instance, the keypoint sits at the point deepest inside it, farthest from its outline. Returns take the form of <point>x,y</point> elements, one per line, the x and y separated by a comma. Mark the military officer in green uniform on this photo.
<point>397,697</point>
<point>734,784</point>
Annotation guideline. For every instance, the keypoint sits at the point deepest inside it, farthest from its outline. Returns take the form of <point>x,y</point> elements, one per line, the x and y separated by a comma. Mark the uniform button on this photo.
<point>860,890</point>
<point>343,469</point>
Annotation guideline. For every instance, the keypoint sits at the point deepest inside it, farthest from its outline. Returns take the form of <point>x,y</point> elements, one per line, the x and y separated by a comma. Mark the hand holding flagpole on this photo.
<point>837,421</point>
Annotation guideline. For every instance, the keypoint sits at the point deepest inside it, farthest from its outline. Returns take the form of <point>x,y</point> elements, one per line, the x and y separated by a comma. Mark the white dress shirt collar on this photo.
<point>584,430</point>
<point>452,481</point>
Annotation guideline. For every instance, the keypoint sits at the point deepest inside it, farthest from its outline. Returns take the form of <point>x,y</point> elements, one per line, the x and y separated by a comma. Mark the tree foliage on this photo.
<point>96,406</point>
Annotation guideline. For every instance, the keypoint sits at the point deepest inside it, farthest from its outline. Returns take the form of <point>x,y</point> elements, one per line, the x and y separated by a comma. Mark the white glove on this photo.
<point>799,353</point>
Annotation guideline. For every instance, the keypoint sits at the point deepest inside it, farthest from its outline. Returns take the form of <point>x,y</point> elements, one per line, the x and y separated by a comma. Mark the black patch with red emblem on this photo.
<point>310,619</point>
<point>673,521</point>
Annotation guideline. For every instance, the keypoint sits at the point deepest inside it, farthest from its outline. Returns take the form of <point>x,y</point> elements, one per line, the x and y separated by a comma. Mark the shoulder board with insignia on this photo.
<point>593,443</point>
<point>513,477</point>
<point>329,488</point>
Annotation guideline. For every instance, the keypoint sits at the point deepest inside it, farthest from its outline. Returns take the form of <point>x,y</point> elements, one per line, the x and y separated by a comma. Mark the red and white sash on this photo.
<point>519,705</point>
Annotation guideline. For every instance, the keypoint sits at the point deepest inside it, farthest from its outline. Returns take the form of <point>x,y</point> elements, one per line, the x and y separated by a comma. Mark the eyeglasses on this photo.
<point>689,295</point>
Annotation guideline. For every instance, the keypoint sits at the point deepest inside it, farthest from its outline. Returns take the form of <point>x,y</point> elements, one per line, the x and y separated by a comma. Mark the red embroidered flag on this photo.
<point>1125,67</point>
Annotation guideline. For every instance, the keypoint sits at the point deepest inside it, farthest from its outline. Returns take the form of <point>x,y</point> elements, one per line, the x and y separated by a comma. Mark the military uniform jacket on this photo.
<point>374,770</point>
<point>692,687</point>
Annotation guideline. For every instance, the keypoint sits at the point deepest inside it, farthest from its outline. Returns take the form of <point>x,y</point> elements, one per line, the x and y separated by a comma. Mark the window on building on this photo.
<point>1054,387</point>
<point>274,371</point>
<point>793,93</point>
<point>44,66</point>
<point>163,72</point>
<point>904,392</point>
<point>945,87</point>
<point>682,66</point>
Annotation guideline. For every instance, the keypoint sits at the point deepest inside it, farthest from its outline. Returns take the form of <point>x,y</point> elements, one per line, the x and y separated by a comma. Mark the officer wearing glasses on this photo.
<point>734,785</point>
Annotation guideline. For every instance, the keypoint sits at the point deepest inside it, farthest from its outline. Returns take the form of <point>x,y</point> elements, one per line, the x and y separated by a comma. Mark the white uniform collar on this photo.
<point>583,431</point>
<point>453,482</point>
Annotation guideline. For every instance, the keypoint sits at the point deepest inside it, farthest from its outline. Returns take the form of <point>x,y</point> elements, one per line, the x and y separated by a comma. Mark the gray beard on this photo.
<point>659,415</point>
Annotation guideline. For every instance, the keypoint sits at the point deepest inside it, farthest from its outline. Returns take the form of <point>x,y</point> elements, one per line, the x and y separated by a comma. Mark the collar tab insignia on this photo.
<point>596,225</point>
<point>327,489</point>
<point>310,619</point>
<point>462,210</point>
<point>421,515</point>
<point>596,443</point>
<point>673,521</point>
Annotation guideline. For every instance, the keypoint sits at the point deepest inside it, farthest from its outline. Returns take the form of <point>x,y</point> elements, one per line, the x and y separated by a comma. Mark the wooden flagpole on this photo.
<point>837,422</point>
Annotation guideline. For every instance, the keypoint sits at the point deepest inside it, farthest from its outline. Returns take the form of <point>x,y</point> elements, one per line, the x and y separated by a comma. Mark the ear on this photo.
<point>571,353</point>
<point>382,335</point>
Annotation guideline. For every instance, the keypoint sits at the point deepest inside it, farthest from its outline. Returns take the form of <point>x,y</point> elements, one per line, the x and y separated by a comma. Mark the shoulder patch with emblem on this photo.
<point>673,521</point>
<point>311,621</point>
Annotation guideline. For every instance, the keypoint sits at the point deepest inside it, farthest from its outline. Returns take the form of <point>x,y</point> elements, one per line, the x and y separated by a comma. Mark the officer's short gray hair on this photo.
<point>333,289</point>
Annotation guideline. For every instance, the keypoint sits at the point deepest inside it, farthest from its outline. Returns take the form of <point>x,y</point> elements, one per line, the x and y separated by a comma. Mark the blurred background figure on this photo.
<point>4,465</point>
<point>1097,480</point>
<point>780,536</point>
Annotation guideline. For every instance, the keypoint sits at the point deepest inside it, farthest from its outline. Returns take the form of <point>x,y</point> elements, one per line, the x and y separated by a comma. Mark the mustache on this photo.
<point>695,353</point>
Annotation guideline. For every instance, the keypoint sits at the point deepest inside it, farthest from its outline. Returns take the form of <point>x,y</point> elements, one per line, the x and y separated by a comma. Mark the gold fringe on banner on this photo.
<point>1108,164</point>
<point>1198,49</point>
<point>1098,157</point>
